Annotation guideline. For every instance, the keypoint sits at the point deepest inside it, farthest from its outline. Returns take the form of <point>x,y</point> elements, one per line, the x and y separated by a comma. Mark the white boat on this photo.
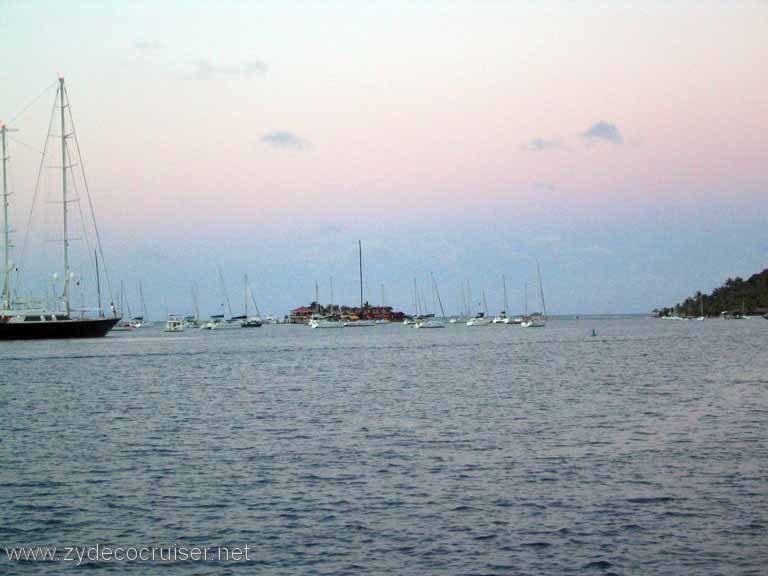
<point>502,317</point>
<point>122,326</point>
<point>174,324</point>
<point>218,322</point>
<point>429,322</point>
<point>536,320</point>
<point>362,323</point>
<point>533,321</point>
<point>325,322</point>
<point>481,318</point>
<point>143,319</point>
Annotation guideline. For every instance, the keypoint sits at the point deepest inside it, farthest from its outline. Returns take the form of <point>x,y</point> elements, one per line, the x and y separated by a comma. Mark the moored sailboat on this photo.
<point>21,323</point>
<point>537,319</point>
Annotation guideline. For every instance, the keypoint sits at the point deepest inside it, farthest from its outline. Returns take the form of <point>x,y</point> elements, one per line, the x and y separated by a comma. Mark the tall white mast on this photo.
<point>6,226</point>
<point>64,194</point>
<point>245,293</point>
<point>504,284</point>
<point>541,291</point>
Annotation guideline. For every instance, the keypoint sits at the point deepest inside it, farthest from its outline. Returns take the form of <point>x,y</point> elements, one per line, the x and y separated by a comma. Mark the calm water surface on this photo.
<point>388,450</point>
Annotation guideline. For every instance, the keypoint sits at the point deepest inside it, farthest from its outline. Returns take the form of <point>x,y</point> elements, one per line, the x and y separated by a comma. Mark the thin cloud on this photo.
<point>205,70</point>
<point>603,131</point>
<point>540,144</point>
<point>284,139</point>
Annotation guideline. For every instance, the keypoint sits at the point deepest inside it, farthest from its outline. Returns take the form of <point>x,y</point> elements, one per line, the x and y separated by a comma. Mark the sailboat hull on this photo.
<point>56,329</point>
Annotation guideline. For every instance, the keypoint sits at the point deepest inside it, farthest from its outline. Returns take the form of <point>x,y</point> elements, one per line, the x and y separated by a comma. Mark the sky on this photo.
<point>621,145</point>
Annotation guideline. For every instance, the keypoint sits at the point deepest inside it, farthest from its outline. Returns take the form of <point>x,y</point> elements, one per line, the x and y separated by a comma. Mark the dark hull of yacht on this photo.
<point>59,329</point>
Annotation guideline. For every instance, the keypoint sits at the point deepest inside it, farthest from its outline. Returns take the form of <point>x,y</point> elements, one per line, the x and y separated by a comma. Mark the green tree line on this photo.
<point>736,295</point>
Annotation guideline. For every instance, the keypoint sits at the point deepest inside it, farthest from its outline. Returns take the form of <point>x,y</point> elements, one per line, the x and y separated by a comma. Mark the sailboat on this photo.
<point>17,323</point>
<point>502,318</point>
<point>245,320</point>
<point>481,318</point>
<point>220,321</point>
<point>193,320</point>
<point>411,320</point>
<point>536,320</point>
<point>143,319</point>
<point>122,326</point>
<point>328,321</point>
<point>361,322</point>
<point>429,320</point>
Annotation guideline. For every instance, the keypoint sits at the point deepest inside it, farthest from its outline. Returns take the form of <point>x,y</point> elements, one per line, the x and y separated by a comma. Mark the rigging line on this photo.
<point>34,198</point>
<point>90,202</point>
<point>35,150</point>
<point>32,103</point>
<point>82,218</point>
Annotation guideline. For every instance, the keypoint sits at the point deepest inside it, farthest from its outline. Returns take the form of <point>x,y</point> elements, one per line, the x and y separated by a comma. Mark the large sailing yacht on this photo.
<point>23,322</point>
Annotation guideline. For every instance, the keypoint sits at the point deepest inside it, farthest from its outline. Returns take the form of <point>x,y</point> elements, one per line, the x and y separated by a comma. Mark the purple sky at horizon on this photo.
<point>624,147</point>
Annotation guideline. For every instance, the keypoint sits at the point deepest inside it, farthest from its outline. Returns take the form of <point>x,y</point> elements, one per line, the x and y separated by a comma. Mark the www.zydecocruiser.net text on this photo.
<point>99,553</point>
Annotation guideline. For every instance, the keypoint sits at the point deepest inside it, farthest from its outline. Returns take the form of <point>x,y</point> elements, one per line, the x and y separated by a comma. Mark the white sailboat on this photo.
<point>122,326</point>
<point>329,321</point>
<point>538,319</point>
<point>429,320</point>
<point>143,320</point>
<point>481,318</point>
<point>502,317</point>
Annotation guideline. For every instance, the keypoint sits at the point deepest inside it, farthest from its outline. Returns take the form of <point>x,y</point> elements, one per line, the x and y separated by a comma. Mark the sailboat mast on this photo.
<point>245,293</point>
<point>64,194</point>
<point>143,304</point>
<point>98,285</point>
<point>6,226</point>
<point>331,282</point>
<point>437,293</point>
<point>504,284</point>
<point>360,259</point>
<point>541,290</point>
<point>194,301</point>
<point>470,307</point>
<point>416,297</point>
<point>525,299</point>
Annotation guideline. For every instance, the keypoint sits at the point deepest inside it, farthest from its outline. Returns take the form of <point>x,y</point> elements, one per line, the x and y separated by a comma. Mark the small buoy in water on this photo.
<point>594,332</point>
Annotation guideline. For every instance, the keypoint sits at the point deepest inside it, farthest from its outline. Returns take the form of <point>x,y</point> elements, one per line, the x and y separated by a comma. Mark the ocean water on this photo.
<point>389,450</point>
